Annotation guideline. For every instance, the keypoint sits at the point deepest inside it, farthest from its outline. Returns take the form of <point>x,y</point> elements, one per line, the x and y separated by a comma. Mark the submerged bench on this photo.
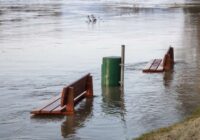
<point>161,65</point>
<point>71,95</point>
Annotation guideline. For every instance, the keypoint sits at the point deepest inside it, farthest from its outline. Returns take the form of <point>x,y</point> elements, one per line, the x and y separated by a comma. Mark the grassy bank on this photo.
<point>188,129</point>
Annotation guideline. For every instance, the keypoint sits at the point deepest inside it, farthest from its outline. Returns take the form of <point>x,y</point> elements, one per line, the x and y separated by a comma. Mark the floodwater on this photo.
<point>47,44</point>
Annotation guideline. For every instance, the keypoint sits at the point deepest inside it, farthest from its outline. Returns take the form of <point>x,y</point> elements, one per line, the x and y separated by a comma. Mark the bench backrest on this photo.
<point>171,53</point>
<point>168,59</point>
<point>79,87</point>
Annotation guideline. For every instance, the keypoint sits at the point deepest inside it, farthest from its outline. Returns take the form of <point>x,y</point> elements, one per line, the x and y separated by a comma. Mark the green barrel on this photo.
<point>110,71</point>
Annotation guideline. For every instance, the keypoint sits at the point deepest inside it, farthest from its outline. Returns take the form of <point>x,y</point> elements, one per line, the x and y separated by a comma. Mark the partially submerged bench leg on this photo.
<point>70,101</point>
<point>89,85</point>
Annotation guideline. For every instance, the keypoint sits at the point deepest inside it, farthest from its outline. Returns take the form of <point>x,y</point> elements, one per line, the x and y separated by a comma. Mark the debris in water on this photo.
<point>91,19</point>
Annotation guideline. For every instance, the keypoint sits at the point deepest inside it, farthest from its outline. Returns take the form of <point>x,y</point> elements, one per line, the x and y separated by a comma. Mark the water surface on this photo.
<point>47,44</point>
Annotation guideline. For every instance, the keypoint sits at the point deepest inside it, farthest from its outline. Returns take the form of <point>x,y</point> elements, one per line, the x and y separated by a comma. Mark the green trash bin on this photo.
<point>111,71</point>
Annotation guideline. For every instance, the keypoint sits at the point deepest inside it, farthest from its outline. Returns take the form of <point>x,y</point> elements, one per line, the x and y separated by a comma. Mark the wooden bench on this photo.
<point>70,96</point>
<point>161,65</point>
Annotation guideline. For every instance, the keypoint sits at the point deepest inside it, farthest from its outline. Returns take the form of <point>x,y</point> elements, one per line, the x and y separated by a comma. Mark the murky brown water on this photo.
<point>47,44</point>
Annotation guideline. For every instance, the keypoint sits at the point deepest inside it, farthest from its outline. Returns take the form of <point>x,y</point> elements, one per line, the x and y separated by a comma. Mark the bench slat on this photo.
<point>49,102</point>
<point>79,98</point>
<point>155,65</point>
<point>51,106</point>
<point>148,65</point>
<point>59,109</point>
<point>79,87</point>
<point>160,67</point>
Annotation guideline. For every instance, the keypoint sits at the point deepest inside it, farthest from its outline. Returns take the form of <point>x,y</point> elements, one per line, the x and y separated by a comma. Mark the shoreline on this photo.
<point>189,128</point>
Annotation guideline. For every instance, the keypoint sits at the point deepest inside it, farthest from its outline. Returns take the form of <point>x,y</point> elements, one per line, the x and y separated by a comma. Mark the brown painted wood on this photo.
<point>161,65</point>
<point>152,66</point>
<point>79,98</point>
<point>79,87</point>
<point>168,63</point>
<point>70,100</point>
<point>171,52</point>
<point>70,96</point>
<point>59,110</point>
<point>155,65</point>
<point>147,67</point>
<point>49,102</point>
<point>89,85</point>
<point>51,107</point>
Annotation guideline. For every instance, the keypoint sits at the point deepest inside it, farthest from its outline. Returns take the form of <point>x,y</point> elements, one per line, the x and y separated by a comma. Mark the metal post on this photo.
<point>122,65</point>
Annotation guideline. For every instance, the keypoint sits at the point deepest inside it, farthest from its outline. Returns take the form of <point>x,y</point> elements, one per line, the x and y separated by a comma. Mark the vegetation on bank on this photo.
<point>188,129</point>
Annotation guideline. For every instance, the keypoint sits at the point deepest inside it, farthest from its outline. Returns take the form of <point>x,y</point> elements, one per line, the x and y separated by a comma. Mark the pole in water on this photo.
<point>122,65</point>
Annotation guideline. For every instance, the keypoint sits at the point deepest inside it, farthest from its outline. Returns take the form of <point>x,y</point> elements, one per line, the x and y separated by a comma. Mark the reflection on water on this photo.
<point>168,78</point>
<point>45,45</point>
<point>188,77</point>
<point>46,118</point>
<point>113,101</point>
<point>74,122</point>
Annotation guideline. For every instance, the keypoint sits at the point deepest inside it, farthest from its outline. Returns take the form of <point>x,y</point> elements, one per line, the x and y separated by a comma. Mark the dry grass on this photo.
<point>189,129</point>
